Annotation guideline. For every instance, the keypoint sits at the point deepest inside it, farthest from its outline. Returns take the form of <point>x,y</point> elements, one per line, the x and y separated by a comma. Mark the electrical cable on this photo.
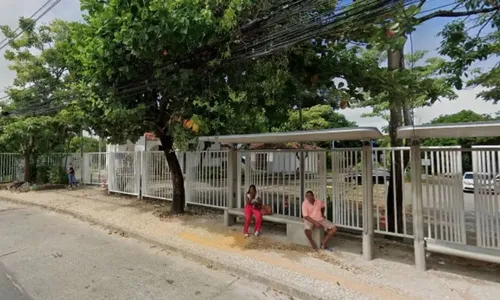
<point>31,17</point>
<point>125,93</point>
<point>36,19</point>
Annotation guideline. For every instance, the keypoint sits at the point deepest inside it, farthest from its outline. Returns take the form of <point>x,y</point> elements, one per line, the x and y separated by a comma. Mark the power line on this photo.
<point>123,92</point>
<point>36,19</point>
<point>31,17</point>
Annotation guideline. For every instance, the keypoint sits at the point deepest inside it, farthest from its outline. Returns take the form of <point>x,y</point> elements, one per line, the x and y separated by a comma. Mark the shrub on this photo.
<point>57,175</point>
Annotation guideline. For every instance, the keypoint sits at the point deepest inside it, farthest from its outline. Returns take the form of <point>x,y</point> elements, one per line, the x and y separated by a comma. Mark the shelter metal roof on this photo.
<point>456,130</point>
<point>335,134</point>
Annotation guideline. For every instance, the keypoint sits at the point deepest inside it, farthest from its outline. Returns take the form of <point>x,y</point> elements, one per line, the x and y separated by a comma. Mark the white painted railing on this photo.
<point>95,168</point>
<point>449,214</point>
<point>276,175</point>
<point>207,178</point>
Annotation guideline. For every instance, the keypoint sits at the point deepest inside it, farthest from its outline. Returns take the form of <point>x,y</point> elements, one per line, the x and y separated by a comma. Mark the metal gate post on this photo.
<point>138,173</point>
<point>232,174</point>
<point>418,205</point>
<point>367,201</point>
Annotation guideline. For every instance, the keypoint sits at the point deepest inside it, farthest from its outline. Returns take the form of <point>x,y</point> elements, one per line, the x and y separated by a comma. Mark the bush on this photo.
<point>40,174</point>
<point>57,175</point>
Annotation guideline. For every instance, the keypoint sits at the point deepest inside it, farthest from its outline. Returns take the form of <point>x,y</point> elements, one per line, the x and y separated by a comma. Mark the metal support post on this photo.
<point>233,176</point>
<point>368,231</point>
<point>138,173</point>
<point>302,176</point>
<point>418,205</point>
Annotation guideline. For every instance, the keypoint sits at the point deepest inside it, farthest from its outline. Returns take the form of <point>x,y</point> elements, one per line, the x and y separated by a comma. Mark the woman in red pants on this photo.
<point>253,206</point>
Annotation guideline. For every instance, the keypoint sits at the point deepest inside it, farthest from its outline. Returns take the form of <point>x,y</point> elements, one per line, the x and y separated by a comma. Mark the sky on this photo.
<point>424,38</point>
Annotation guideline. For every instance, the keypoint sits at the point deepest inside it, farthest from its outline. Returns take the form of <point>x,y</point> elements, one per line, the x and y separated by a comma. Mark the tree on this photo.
<point>467,42</point>
<point>315,118</point>
<point>423,86</point>
<point>31,135</point>
<point>156,63</point>
<point>38,56</point>
<point>143,61</point>
<point>74,144</point>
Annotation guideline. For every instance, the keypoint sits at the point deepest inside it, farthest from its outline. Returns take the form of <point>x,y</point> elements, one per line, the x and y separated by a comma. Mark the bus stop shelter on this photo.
<point>364,134</point>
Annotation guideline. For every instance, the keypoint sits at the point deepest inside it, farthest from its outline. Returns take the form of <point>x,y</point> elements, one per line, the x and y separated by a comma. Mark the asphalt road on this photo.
<point>48,256</point>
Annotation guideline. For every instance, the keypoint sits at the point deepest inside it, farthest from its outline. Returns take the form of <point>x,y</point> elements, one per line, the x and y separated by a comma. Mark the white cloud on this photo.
<point>466,100</point>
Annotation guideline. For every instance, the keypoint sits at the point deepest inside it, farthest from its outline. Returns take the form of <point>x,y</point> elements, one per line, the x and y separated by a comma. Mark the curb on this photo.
<point>177,250</point>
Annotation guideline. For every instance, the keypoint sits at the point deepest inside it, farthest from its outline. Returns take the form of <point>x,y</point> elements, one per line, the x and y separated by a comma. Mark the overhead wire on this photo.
<point>31,17</point>
<point>36,19</point>
<point>147,83</point>
<point>138,90</point>
<point>121,94</point>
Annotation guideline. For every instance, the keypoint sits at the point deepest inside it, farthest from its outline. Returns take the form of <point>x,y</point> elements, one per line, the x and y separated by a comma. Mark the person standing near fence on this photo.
<point>71,177</point>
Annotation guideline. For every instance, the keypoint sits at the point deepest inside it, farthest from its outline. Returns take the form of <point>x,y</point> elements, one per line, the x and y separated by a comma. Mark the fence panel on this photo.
<point>123,173</point>
<point>207,178</point>
<point>442,194</point>
<point>11,167</point>
<point>387,162</point>
<point>347,191</point>
<point>156,175</point>
<point>486,183</point>
<point>95,168</point>
<point>276,174</point>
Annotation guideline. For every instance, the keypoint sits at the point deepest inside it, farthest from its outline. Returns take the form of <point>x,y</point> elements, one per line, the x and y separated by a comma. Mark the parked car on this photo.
<point>484,182</point>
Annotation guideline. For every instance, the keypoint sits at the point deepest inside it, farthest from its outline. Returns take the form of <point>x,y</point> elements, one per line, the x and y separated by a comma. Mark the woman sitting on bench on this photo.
<point>253,205</point>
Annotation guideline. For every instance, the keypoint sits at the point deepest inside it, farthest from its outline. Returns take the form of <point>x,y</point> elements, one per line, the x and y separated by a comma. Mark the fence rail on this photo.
<point>450,215</point>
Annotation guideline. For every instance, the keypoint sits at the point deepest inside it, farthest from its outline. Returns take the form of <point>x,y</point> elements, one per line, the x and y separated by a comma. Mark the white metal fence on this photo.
<point>450,215</point>
<point>207,178</point>
<point>276,175</point>
<point>156,177</point>
<point>12,165</point>
<point>347,194</point>
<point>95,168</point>
<point>124,172</point>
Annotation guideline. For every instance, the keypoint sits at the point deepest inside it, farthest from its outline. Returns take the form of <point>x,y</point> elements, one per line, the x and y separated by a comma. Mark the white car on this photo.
<point>484,181</point>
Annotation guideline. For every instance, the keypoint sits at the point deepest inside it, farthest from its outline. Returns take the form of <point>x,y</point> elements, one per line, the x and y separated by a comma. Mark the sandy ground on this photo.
<point>342,274</point>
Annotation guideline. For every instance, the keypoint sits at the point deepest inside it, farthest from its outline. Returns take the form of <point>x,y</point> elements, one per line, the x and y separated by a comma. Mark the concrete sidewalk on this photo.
<point>295,270</point>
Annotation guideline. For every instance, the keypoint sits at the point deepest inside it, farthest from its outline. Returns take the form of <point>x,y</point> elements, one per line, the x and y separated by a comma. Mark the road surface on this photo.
<point>45,255</point>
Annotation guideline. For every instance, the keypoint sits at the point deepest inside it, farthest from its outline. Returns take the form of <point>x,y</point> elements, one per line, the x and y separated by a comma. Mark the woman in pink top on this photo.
<point>253,205</point>
<point>313,213</point>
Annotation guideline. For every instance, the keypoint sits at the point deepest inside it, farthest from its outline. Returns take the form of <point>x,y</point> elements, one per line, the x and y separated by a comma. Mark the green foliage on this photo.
<point>57,175</point>
<point>418,85</point>
<point>89,144</point>
<point>27,135</point>
<point>467,42</point>
<point>464,116</point>
<point>315,118</point>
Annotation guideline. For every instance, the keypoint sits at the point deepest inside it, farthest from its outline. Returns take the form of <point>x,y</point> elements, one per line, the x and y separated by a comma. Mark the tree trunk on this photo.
<point>395,193</point>
<point>178,200</point>
<point>27,167</point>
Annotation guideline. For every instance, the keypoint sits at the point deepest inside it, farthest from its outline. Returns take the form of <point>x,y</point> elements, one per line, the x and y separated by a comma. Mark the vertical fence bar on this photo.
<point>367,207</point>
<point>418,214</point>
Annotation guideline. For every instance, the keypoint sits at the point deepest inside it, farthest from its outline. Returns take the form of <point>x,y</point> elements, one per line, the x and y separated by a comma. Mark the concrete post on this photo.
<point>367,201</point>
<point>418,205</point>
